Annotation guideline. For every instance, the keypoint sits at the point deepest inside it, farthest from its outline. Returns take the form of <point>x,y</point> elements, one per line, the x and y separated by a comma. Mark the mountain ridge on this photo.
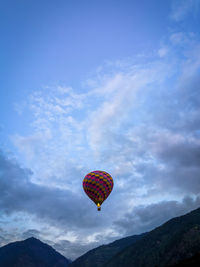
<point>104,252</point>
<point>175,240</point>
<point>31,252</point>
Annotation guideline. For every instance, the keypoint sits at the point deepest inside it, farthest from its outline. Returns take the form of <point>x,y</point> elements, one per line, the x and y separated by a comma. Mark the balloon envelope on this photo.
<point>98,186</point>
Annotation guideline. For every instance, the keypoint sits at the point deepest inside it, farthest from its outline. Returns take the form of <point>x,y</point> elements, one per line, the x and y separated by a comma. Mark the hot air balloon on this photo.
<point>98,186</point>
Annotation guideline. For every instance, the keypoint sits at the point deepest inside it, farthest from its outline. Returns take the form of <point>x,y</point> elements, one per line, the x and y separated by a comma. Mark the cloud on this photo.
<point>174,164</point>
<point>54,213</point>
<point>181,9</point>
<point>22,196</point>
<point>145,218</point>
<point>57,206</point>
<point>162,51</point>
<point>74,248</point>
<point>120,97</point>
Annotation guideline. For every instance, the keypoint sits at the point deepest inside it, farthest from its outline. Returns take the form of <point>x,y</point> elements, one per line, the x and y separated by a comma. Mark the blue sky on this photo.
<point>88,85</point>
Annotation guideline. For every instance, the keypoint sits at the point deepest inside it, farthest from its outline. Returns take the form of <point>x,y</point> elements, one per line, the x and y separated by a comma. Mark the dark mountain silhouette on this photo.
<point>175,242</point>
<point>31,253</point>
<point>190,262</point>
<point>99,256</point>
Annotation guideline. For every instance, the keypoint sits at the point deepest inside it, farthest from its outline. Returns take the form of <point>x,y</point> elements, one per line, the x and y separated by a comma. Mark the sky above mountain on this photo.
<point>97,85</point>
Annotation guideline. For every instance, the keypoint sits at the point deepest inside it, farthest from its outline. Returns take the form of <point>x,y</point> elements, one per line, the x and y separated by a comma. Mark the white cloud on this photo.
<point>162,52</point>
<point>120,97</point>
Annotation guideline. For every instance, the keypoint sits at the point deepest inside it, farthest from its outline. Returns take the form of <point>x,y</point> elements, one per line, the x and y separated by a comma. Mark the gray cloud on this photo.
<point>74,248</point>
<point>31,233</point>
<point>57,206</point>
<point>146,218</point>
<point>50,209</point>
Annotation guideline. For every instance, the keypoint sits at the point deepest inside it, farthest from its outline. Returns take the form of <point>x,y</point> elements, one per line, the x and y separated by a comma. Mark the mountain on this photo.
<point>189,262</point>
<point>99,256</point>
<point>174,243</point>
<point>31,253</point>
